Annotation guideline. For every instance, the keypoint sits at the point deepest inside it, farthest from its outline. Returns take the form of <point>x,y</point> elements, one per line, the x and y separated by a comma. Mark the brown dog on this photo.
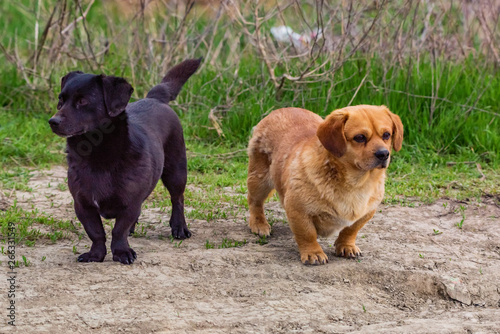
<point>329,173</point>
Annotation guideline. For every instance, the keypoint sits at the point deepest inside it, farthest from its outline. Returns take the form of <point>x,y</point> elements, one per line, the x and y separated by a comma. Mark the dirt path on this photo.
<point>402,284</point>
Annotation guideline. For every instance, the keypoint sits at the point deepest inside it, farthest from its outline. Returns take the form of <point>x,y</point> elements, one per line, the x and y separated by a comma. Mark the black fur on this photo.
<point>117,152</point>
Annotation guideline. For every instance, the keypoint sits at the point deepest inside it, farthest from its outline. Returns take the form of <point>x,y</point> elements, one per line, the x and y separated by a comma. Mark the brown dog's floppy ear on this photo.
<point>397,131</point>
<point>331,133</point>
<point>65,78</point>
<point>117,92</point>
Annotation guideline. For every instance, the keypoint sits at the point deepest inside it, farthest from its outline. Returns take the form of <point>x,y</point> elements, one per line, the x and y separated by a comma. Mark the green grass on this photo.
<point>446,105</point>
<point>449,104</point>
<point>32,226</point>
<point>225,243</point>
<point>451,130</point>
<point>426,176</point>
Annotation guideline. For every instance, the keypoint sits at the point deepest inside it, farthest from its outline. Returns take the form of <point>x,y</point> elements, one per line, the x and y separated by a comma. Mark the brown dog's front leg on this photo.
<point>306,237</point>
<point>345,243</point>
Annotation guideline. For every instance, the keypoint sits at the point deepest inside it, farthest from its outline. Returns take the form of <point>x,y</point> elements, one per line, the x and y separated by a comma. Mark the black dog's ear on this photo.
<point>117,92</point>
<point>65,78</point>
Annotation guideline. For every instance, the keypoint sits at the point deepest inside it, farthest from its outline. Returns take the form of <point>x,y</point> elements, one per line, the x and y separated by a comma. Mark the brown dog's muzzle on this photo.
<point>382,154</point>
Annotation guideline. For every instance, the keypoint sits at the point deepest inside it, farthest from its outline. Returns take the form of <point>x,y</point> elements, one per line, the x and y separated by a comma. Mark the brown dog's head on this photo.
<point>362,135</point>
<point>88,100</point>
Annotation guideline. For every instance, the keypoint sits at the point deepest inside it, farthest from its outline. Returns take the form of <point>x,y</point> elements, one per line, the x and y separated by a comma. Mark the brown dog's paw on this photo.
<point>261,230</point>
<point>347,250</point>
<point>260,227</point>
<point>314,257</point>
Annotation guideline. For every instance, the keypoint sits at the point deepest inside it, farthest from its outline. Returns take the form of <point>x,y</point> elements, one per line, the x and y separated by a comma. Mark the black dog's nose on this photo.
<point>382,155</point>
<point>54,121</point>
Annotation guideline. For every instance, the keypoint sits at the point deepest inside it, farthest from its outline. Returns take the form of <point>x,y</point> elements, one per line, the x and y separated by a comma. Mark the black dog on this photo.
<point>117,152</point>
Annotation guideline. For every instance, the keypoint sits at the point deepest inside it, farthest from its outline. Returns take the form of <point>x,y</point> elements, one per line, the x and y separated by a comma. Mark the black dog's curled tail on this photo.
<point>173,81</point>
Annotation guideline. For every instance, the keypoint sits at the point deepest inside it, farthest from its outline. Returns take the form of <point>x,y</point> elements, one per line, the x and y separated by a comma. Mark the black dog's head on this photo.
<point>86,100</point>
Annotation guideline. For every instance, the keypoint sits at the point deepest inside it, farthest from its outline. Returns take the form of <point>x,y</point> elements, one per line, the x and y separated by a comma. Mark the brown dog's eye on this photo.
<point>60,103</point>
<point>360,138</point>
<point>386,136</point>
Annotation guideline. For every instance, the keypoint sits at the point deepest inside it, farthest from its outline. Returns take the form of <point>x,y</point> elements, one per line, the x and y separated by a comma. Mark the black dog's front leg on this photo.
<point>132,229</point>
<point>91,221</point>
<point>119,242</point>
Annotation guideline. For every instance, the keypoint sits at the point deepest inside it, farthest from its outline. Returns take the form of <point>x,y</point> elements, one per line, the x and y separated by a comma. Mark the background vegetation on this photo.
<point>434,63</point>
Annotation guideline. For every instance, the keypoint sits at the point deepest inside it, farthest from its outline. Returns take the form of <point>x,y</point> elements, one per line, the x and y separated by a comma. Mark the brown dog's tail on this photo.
<point>173,81</point>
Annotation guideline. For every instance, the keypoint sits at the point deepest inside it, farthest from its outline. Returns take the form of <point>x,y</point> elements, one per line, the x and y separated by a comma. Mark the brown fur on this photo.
<point>327,182</point>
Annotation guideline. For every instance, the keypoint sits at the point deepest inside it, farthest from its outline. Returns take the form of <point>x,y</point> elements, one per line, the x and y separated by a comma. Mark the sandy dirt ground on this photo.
<point>410,279</point>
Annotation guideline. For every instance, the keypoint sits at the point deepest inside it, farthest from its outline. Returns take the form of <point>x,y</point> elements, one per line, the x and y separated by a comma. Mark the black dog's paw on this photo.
<point>91,257</point>
<point>125,256</point>
<point>181,232</point>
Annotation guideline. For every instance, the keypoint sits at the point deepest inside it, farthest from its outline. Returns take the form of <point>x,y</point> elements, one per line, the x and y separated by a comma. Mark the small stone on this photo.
<point>456,290</point>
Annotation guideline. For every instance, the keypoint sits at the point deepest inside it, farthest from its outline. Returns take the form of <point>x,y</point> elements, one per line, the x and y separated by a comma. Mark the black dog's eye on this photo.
<point>360,138</point>
<point>60,103</point>
<point>386,136</point>
<point>81,102</point>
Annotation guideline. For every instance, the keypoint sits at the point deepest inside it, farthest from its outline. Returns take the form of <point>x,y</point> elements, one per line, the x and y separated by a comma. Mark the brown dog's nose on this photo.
<point>382,155</point>
<point>54,121</point>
